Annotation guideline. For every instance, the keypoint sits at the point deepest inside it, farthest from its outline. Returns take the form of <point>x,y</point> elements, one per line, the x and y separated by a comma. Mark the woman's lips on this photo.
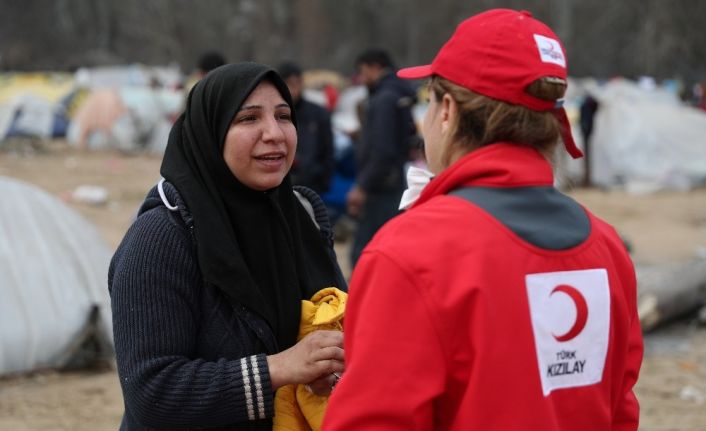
<point>271,159</point>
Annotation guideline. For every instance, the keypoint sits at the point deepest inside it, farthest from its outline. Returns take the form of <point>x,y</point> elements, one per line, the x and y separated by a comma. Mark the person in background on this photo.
<point>207,61</point>
<point>383,149</point>
<point>207,285</point>
<point>698,93</point>
<point>494,302</point>
<point>313,162</point>
<point>587,114</point>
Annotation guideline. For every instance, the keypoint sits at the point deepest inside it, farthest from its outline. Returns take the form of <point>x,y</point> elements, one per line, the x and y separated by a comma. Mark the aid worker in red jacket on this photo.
<point>494,302</point>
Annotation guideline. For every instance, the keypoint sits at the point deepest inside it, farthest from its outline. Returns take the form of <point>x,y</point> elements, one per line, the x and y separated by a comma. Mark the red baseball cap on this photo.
<point>499,53</point>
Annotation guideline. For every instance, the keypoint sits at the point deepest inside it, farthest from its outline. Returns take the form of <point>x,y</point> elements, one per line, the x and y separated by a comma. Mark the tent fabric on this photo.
<point>128,119</point>
<point>53,272</point>
<point>31,104</point>
<point>48,86</point>
<point>134,75</point>
<point>34,117</point>
<point>345,118</point>
<point>98,113</point>
<point>645,139</point>
<point>31,116</point>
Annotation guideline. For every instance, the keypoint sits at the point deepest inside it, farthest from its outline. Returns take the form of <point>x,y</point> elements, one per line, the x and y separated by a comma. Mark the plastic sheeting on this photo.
<point>128,75</point>
<point>53,272</point>
<point>345,117</point>
<point>128,119</point>
<point>646,140</point>
<point>29,115</point>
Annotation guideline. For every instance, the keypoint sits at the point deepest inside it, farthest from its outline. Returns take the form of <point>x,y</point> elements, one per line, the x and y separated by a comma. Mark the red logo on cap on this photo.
<point>551,52</point>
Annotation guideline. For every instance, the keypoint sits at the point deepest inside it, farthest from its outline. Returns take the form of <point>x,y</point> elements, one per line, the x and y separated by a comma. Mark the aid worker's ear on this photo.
<point>448,113</point>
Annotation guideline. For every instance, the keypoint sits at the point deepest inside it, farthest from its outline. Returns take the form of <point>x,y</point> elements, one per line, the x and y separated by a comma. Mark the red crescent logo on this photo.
<point>581,311</point>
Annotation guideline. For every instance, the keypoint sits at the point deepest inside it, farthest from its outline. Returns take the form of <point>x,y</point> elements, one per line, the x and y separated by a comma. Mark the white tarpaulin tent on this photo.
<point>646,139</point>
<point>53,272</point>
<point>35,116</point>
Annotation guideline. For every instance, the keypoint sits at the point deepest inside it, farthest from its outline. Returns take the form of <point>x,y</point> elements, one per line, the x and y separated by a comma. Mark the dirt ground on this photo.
<point>662,227</point>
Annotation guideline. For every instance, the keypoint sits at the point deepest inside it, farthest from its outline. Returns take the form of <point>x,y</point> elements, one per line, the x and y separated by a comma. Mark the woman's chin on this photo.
<point>266,182</point>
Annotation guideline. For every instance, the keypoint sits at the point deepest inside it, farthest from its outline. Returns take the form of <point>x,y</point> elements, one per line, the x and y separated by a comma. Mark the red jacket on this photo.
<point>456,323</point>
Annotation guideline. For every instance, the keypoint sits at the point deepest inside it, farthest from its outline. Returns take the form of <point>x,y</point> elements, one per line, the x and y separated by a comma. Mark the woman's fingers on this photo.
<point>337,367</point>
<point>326,353</point>
<point>323,339</point>
<point>315,356</point>
<point>323,385</point>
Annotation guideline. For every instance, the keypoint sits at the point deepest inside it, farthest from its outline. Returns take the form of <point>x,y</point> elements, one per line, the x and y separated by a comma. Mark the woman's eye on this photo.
<point>246,119</point>
<point>285,116</point>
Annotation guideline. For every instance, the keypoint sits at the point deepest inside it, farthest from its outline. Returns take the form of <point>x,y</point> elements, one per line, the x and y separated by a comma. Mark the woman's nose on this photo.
<point>273,131</point>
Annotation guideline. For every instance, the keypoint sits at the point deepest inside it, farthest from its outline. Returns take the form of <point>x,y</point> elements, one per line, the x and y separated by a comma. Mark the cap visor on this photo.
<point>417,72</point>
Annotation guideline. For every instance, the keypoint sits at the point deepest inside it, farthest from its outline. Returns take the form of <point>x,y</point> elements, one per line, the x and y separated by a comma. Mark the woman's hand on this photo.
<point>324,384</point>
<point>316,356</point>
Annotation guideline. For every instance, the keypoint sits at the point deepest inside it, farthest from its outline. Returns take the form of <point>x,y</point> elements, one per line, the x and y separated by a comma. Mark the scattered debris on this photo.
<point>690,393</point>
<point>88,194</point>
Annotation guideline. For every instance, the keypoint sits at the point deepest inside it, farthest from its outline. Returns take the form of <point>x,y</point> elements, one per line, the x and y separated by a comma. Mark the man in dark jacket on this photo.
<point>313,162</point>
<point>383,149</point>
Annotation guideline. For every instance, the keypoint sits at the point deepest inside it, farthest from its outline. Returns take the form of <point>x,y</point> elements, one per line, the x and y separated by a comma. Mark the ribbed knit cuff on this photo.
<point>259,396</point>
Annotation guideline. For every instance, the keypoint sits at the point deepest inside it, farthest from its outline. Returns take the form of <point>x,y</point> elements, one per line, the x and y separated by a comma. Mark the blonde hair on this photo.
<point>482,120</point>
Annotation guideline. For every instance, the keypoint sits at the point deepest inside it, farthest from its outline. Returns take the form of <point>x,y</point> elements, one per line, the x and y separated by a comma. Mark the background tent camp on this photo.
<point>55,310</point>
<point>126,107</point>
<point>645,138</point>
<point>130,107</point>
<point>33,104</point>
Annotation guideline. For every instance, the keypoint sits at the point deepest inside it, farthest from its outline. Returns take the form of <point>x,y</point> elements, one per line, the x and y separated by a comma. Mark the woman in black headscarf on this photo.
<point>207,284</point>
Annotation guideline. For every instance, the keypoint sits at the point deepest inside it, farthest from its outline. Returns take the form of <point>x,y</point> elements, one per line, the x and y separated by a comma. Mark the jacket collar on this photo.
<point>501,164</point>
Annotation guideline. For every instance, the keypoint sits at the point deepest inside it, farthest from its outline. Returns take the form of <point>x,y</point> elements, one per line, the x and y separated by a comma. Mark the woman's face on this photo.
<point>261,141</point>
<point>431,131</point>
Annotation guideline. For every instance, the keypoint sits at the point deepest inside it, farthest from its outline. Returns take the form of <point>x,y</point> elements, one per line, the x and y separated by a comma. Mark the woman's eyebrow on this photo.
<point>244,108</point>
<point>248,107</point>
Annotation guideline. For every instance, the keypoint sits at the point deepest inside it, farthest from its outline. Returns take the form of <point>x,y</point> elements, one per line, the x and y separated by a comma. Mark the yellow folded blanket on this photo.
<point>297,409</point>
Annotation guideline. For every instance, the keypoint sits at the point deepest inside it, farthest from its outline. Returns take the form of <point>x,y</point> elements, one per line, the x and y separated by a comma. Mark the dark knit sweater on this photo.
<point>187,358</point>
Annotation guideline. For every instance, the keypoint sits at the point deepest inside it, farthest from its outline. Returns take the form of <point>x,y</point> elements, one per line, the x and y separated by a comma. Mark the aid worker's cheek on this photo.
<point>432,142</point>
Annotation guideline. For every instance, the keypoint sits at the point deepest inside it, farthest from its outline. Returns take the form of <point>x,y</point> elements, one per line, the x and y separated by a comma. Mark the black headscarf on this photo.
<point>259,248</point>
